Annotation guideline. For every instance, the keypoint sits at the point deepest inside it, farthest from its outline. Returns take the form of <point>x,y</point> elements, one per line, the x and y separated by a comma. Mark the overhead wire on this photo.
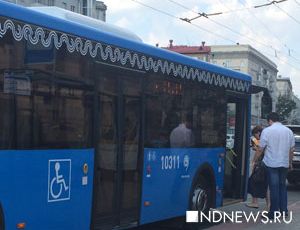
<point>270,3</point>
<point>201,28</point>
<point>290,16</point>
<point>293,18</point>
<point>155,9</point>
<point>246,24</point>
<point>173,16</point>
<point>239,9</point>
<point>273,34</point>
<point>224,26</point>
<point>220,24</point>
<point>241,19</point>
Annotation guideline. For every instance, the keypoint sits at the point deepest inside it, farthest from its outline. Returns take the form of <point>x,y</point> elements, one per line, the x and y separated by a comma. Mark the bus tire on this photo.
<point>201,200</point>
<point>2,226</point>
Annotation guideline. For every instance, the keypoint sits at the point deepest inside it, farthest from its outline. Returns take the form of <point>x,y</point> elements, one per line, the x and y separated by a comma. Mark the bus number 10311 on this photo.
<point>170,162</point>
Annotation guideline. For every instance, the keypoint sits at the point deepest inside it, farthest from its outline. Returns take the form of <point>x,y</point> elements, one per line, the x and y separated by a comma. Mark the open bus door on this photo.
<point>236,164</point>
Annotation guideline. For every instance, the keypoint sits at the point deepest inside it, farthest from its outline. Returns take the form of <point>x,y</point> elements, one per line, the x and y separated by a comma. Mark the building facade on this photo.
<point>285,88</point>
<point>263,71</point>
<point>198,52</point>
<point>91,8</point>
<point>295,114</point>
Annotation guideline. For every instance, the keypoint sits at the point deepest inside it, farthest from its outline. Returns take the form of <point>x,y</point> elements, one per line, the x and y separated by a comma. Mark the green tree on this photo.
<point>285,106</point>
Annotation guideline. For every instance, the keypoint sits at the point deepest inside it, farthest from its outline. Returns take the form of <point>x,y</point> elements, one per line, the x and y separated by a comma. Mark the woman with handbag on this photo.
<point>257,183</point>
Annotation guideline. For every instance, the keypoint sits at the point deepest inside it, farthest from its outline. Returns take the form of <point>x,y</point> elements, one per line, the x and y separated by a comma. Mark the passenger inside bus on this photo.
<point>182,135</point>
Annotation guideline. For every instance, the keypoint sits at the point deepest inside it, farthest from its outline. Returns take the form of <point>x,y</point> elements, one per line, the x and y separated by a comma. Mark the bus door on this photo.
<point>236,149</point>
<point>117,187</point>
<point>131,151</point>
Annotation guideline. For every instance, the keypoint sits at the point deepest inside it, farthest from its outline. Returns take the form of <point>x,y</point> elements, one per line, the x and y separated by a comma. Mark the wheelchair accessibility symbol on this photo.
<point>59,180</point>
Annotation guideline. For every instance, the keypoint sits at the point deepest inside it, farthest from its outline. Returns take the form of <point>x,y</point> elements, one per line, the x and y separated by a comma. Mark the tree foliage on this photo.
<point>285,106</point>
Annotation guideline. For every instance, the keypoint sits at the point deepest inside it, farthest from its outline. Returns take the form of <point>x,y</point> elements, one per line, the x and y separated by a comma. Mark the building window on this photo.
<point>50,2</point>
<point>226,63</point>
<point>258,77</point>
<point>72,8</point>
<point>64,5</point>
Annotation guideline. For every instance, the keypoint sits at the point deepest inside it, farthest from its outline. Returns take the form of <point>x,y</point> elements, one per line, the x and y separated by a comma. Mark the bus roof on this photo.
<point>159,58</point>
<point>87,21</point>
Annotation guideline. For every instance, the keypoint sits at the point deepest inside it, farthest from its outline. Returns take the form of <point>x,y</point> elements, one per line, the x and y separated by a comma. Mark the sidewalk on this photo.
<point>293,205</point>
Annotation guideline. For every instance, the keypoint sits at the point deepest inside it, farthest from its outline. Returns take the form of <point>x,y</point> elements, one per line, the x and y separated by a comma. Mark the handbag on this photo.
<point>259,172</point>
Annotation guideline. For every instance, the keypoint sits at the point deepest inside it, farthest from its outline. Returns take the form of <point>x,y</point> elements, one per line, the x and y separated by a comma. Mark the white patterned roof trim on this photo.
<point>116,55</point>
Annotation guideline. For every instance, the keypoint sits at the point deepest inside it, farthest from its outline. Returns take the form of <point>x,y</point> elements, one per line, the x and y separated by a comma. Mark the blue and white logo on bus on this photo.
<point>59,180</point>
<point>152,156</point>
<point>186,162</point>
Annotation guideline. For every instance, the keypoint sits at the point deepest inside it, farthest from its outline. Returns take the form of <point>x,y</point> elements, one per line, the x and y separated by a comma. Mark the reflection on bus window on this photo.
<point>231,113</point>
<point>167,107</point>
<point>107,162</point>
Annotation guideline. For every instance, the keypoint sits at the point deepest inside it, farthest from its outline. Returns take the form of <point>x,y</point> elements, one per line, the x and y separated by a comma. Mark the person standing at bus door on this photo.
<point>182,135</point>
<point>277,142</point>
<point>257,189</point>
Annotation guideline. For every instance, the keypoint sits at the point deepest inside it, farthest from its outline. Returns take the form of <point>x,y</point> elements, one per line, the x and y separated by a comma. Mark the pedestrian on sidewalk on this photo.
<point>257,188</point>
<point>277,142</point>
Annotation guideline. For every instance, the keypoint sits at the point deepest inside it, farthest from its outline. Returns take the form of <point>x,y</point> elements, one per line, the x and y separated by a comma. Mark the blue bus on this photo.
<point>99,130</point>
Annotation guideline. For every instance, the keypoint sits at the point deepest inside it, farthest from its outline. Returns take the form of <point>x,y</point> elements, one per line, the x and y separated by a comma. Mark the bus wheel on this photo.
<point>201,200</point>
<point>201,196</point>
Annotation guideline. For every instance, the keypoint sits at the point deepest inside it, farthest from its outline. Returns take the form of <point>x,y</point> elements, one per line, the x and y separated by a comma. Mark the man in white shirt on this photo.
<point>277,142</point>
<point>182,135</point>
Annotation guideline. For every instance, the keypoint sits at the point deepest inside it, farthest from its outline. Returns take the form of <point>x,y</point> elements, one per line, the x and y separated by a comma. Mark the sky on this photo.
<point>274,30</point>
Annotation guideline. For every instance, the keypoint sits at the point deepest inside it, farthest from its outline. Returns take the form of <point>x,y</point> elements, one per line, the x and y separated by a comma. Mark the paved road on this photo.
<point>294,206</point>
